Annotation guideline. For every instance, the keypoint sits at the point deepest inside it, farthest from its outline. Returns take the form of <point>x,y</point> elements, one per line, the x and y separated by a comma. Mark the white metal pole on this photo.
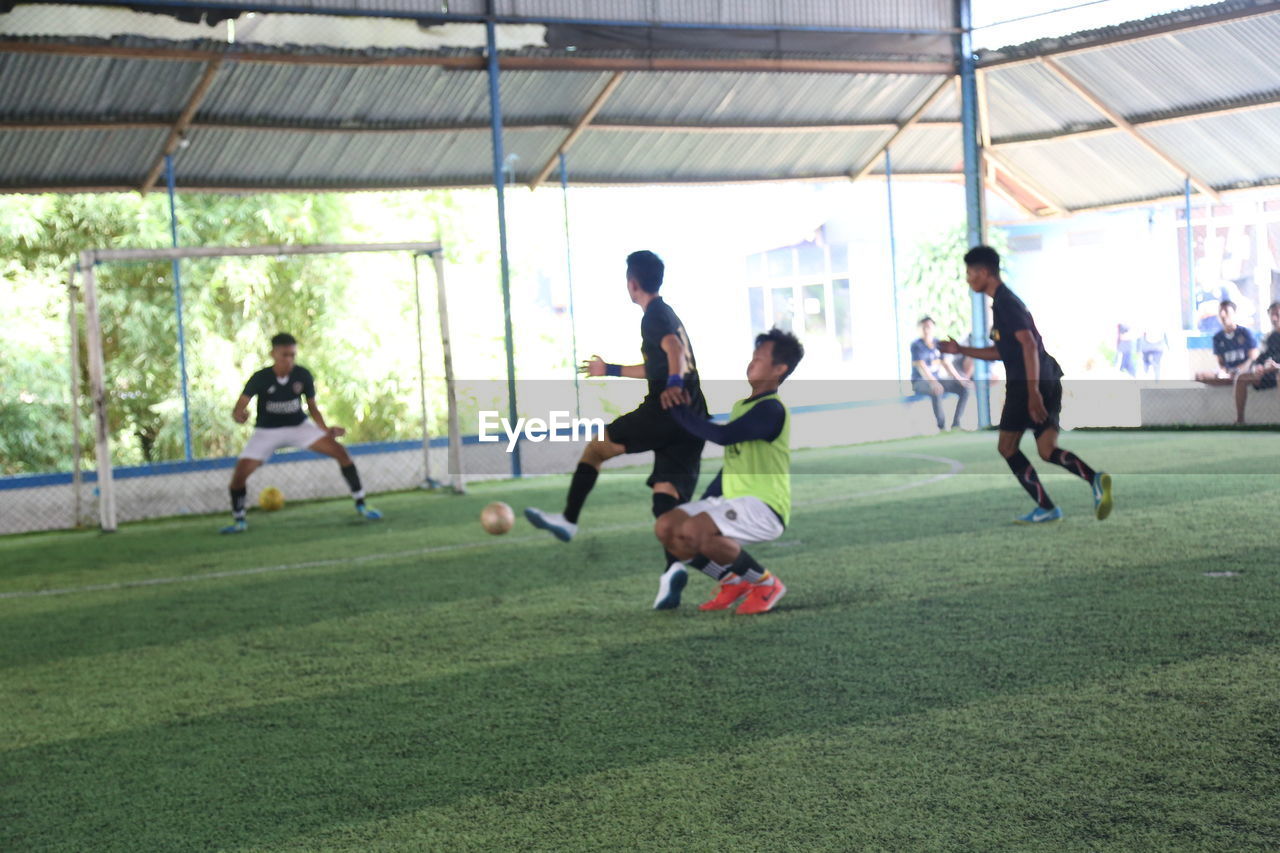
<point>428,482</point>
<point>76,476</point>
<point>106,486</point>
<point>451,392</point>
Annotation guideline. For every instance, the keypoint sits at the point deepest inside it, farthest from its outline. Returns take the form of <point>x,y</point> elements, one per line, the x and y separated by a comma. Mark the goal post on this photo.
<point>89,261</point>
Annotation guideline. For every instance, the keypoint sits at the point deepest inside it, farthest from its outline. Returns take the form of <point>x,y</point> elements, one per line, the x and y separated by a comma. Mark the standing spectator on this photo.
<point>927,364</point>
<point>1127,349</point>
<point>1152,345</point>
<point>1263,374</point>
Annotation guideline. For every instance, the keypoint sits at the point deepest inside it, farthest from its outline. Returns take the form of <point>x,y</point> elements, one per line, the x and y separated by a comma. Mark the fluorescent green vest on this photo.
<point>760,469</point>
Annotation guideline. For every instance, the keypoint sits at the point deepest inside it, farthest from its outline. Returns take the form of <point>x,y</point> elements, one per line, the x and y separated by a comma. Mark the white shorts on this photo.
<point>745,519</point>
<point>267,440</point>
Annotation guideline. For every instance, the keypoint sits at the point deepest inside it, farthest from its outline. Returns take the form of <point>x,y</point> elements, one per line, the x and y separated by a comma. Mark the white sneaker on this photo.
<point>560,527</point>
<point>670,587</point>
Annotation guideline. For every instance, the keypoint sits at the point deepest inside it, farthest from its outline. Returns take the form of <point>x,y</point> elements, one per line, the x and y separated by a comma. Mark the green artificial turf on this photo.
<point>936,679</point>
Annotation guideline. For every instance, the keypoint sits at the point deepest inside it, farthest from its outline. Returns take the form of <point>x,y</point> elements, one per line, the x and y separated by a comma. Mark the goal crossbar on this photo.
<point>90,258</point>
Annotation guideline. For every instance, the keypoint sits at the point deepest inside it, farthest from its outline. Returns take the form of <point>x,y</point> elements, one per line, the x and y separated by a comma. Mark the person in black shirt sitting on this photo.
<point>1033,389</point>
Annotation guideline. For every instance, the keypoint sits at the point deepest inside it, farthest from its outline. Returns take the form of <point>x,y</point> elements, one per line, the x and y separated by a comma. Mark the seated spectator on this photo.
<point>1235,347</point>
<point>1262,376</point>
<point>932,375</point>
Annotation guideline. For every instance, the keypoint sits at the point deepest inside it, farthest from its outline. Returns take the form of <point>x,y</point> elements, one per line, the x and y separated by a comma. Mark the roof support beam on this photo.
<point>585,119</point>
<point>1031,185</point>
<point>727,129</point>
<point>180,126</point>
<point>1123,123</point>
<point>869,163</point>
<point>477,63</point>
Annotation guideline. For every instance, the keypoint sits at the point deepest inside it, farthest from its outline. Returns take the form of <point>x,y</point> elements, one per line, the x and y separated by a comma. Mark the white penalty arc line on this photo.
<point>954,468</point>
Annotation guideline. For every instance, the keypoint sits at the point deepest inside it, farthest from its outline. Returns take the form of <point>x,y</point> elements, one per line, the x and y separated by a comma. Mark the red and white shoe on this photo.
<point>728,595</point>
<point>762,597</point>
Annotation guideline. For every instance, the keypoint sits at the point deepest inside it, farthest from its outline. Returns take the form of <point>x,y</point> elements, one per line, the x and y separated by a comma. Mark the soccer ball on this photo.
<point>271,499</point>
<point>497,518</point>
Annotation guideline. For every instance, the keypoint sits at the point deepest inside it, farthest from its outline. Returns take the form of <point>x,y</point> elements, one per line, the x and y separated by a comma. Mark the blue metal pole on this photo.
<point>893,265</point>
<point>495,123</point>
<point>568,266</point>
<point>1191,255</point>
<point>177,299</point>
<point>973,192</point>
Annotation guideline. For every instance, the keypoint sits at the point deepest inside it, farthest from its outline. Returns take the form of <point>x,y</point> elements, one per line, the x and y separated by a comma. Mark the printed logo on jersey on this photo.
<point>271,390</point>
<point>297,387</point>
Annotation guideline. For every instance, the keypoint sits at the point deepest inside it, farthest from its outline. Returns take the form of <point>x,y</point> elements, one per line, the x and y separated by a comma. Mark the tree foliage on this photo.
<point>231,308</point>
<point>935,284</point>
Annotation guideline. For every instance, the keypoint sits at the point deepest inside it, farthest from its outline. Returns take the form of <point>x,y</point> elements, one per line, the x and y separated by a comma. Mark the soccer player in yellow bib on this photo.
<point>749,500</point>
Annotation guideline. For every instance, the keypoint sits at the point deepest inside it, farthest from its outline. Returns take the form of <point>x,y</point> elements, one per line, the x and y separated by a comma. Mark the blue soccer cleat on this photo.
<point>1102,495</point>
<point>238,526</point>
<point>670,587</point>
<point>559,526</point>
<point>368,512</point>
<point>1040,516</point>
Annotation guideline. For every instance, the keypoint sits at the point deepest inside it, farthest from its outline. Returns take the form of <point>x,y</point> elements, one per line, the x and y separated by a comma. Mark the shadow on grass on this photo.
<point>271,773</point>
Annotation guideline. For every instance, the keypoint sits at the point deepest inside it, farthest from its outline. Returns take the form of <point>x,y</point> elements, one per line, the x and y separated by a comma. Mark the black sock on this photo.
<point>1072,463</point>
<point>584,478</point>
<point>747,568</point>
<point>704,564</point>
<point>664,503</point>
<point>1020,465</point>
<point>237,503</point>
<point>352,477</point>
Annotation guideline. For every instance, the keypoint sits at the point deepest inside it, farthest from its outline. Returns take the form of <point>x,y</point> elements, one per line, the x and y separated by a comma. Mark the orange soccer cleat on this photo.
<point>761,597</point>
<point>728,595</point>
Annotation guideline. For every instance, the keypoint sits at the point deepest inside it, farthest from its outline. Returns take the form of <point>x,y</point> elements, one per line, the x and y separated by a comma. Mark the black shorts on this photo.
<point>677,455</point>
<point>1016,418</point>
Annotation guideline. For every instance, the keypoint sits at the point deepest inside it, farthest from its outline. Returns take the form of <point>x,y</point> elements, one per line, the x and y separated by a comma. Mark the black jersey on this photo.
<point>280,399</point>
<point>1009,315</point>
<point>659,321</point>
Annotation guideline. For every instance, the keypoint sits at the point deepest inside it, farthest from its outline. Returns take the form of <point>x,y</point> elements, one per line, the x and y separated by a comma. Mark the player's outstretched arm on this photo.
<point>763,422</point>
<point>240,413</point>
<point>596,366</point>
<point>953,347</point>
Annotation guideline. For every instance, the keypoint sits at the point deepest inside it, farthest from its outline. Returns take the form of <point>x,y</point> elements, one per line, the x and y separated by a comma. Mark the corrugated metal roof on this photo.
<point>221,158</point>
<point>1227,151</point>
<point>768,98</point>
<point>1096,170</point>
<point>57,158</point>
<point>1227,63</point>
<point>608,156</point>
<point>911,14</point>
<point>78,87</point>
<point>926,150</point>
<point>338,95</point>
<point>1030,100</point>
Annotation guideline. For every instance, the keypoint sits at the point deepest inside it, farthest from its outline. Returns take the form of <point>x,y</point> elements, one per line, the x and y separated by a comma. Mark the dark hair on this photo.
<point>646,268</point>
<point>284,339</point>
<point>1273,306</point>
<point>925,319</point>
<point>985,257</point>
<point>1225,304</point>
<point>787,348</point>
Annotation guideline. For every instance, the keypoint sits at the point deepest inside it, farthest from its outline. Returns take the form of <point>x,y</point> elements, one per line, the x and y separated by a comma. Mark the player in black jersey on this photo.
<point>1033,389</point>
<point>670,370</point>
<point>282,423</point>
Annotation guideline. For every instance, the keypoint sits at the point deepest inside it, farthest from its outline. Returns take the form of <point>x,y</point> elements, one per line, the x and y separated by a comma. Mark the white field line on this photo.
<point>954,467</point>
